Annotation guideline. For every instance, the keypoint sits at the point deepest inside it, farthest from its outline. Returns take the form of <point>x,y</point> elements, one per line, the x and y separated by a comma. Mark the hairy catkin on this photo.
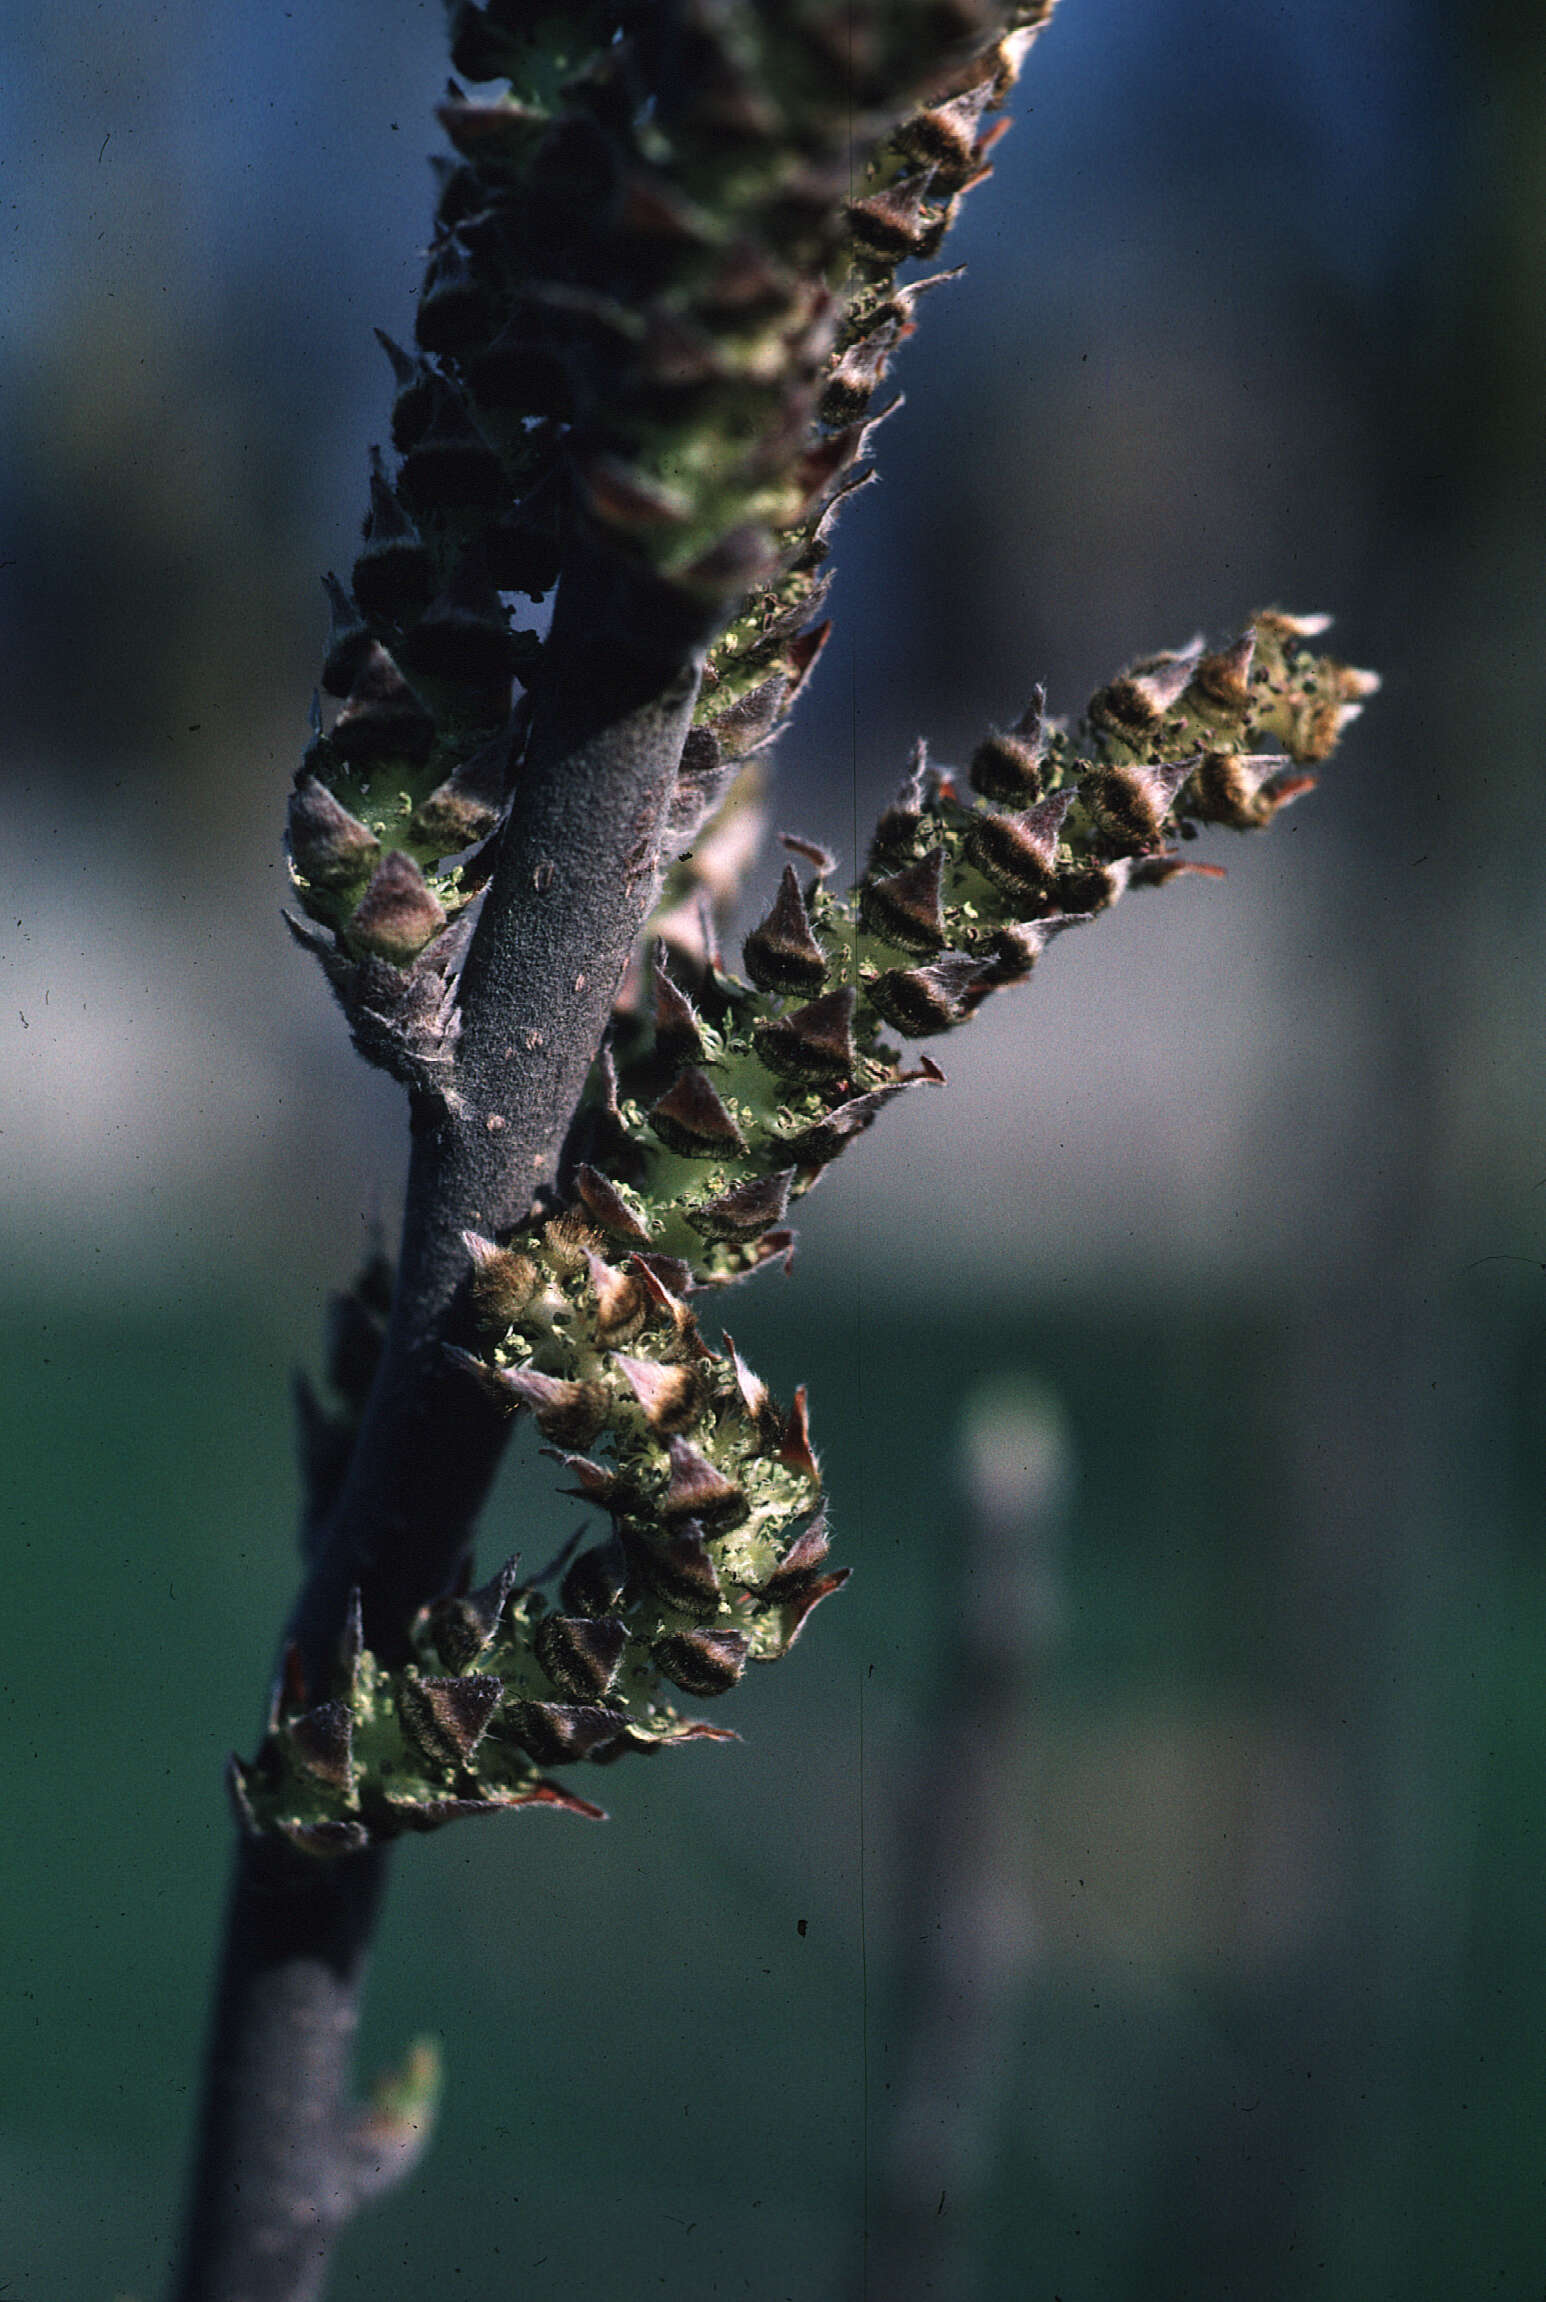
<point>656,328</point>
<point>721,1104</point>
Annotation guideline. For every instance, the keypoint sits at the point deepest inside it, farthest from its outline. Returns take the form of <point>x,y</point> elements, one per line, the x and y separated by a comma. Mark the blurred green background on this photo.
<point>1134,1890</point>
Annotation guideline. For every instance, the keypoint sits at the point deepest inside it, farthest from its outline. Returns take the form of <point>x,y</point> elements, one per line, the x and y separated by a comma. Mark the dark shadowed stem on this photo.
<point>279,2166</point>
<point>275,2177</point>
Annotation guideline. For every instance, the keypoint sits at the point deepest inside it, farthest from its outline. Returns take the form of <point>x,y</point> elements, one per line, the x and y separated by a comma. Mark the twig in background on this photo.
<point>964,1927</point>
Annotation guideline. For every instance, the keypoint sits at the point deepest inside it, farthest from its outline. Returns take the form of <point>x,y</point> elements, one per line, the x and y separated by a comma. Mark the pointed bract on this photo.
<point>795,1445</point>
<point>806,1555</point>
<point>503,1281</point>
<point>1090,887</point>
<point>1128,806</point>
<point>816,1145</point>
<point>846,393</point>
<point>781,952</point>
<point>801,1603</point>
<point>812,1042</point>
<point>753,1390</point>
<point>679,1567</point>
<point>581,1653</point>
<point>662,1275</point>
<point>622,1301</point>
<point>690,1118</point>
<point>945,135</point>
<point>448,1717</point>
<point>595,1582</point>
<point>394,576</point>
<point>905,908</point>
<point>464,636</point>
<point>1133,706</point>
<point>920,1000</point>
<point>556,1733</point>
<point>745,1209</point>
<point>748,724</point>
<point>702,1663</point>
<point>323,1742</point>
<point>398,913</point>
<point>895,832</point>
<point>569,1413</point>
<point>1019,852</point>
<point>669,1395</point>
<point>1223,679</point>
<point>1008,766</point>
<point>331,848</point>
<point>382,718</point>
<point>605,1203</point>
<point>349,640</point>
<point>678,1033</point>
<point>467,805</point>
<point>890,226</point>
<point>698,1489</point>
<point>1227,787</point>
<point>466,1623</point>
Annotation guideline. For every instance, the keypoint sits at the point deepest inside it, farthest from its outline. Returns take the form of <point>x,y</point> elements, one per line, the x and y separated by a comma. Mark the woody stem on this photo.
<point>577,871</point>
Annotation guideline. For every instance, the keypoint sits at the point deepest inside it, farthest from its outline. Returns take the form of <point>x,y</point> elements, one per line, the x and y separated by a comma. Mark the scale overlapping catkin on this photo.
<point>718,1111</point>
<point>654,313</point>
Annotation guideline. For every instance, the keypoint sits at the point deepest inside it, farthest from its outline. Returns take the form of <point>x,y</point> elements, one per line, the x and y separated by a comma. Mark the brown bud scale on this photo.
<point>697,1489</point>
<point>690,1118</point>
<point>448,1717</point>
<point>814,1042</point>
<point>581,1653</point>
<point>610,1209</point>
<point>322,1740</point>
<point>745,1209</point>
<point>702,1663</point>
<point>782,953</point>
<point>568,1413</point>
<point>670,1396</point>
<point>1019,852</point>
<point>906,908</point>
<point>595,1582</point>
<point>678,1566</point>
<point>920,1000</point>
<point>398,913</point>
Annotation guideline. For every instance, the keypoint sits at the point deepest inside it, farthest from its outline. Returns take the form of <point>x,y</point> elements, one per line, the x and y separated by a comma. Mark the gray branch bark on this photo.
<point>577,872</point>
<point>274,2181</point>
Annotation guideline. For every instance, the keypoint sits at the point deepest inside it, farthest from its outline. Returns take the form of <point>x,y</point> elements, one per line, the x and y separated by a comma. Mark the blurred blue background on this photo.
<point>1133,1890</point>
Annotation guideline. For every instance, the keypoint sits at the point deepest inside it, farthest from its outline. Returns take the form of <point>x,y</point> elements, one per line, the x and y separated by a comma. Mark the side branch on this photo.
<point>717,1113</point>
